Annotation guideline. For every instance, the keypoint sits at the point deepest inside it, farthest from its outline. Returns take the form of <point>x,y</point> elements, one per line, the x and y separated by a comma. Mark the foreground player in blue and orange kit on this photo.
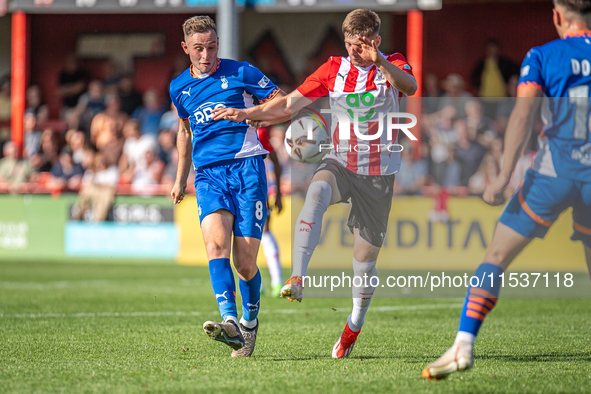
<point>230,179</point>
<point>560,72</point>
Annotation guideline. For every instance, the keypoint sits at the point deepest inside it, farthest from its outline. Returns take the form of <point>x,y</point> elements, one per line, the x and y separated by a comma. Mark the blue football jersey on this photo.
<point>561,69</point>
<point>230,84</point>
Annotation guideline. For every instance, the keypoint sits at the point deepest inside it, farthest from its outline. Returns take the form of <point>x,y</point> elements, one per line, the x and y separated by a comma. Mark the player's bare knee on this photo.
<point>246,267</point>
<point>216,250</point>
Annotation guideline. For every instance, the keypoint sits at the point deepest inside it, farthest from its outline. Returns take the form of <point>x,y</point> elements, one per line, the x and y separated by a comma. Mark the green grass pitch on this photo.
<point>122,328</point>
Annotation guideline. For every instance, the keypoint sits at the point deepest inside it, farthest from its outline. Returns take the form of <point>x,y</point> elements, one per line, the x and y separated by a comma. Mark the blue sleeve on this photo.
<point>181,111</point>
<point>257,84</point>
<point>531,71</point>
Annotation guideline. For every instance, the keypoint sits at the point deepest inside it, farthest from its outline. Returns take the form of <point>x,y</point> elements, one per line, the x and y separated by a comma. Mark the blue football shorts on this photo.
<point>537,204</point>
<point>239,186</point>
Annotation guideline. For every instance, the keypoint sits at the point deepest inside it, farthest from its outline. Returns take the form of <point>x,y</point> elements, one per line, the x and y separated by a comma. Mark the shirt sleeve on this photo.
<point>531,71</point>
<point>264,138</point>
<point>258,84</point>
<point>317,84</point>
<point>400,61</point>
<point>183,114</point>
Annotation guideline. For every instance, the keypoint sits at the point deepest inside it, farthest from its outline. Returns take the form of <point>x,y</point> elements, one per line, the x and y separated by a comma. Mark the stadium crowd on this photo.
<point>111,139</point>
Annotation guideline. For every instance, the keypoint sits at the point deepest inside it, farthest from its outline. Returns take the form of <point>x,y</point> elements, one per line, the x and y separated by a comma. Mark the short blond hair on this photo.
<point>361,22</point>
<point>198,24</point>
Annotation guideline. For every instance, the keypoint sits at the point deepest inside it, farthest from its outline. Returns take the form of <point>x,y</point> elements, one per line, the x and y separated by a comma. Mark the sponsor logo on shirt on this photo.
<point>204,114</point>
<point>264,82</point>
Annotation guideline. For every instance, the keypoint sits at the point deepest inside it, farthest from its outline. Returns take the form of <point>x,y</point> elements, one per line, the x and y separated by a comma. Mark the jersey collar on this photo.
<point>578,33</point>
<point>217,65</point>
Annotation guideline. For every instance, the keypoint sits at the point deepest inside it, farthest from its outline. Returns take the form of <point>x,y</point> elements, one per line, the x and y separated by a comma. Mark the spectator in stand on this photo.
<point>411,177</point>
<point>490,76</point>
<point>13,171</point>
<point>112,150</point>
<point>505,107</point>
<point>170,120</point>
<point>179,65</point>
<point>496,150</point>
<point>97,191</point>
<point>35,104</point>
<point>111,76</point>
<point>134,150</point>
<point>77,143</point>
<point>480,127</point>
<point>453,171</point>
<point>65,174</point>
<point>149,113</point>
<point>44,160</point>
<point>486,173</point>
<point>107,125</point>
<point>148,172</point>
<point>32,137</point>
<point>130,98</point>
<point>431,93</point>
<point>169,174</point>
<point>91,103</point>
<point>455,94</point>
<point>167,144</point>
<point>88,158</point>
<point>468,152</point>
<point>5,110</point>
<point>72,82</point>
<point>439,155</point>
<point>424,163</point>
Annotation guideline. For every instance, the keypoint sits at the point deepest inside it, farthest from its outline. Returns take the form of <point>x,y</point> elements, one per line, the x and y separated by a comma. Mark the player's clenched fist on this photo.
<point>178,193</point>
<point>492,191</point>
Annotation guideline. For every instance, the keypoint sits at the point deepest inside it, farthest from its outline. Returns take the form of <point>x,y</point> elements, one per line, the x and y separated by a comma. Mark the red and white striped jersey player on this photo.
<point>366,78</point>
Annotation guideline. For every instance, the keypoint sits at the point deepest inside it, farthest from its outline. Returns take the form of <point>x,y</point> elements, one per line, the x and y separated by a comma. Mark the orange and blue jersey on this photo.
<point>561,70</point>
<point>230,84</point>
<point>561,173</point>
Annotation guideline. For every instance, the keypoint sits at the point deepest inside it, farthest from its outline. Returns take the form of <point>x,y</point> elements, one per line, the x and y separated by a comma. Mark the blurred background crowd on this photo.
<point>110,136</point>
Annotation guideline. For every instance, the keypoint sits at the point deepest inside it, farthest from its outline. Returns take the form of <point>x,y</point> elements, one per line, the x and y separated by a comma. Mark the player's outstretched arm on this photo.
<point>401,80</point>
<point>518,132</point>
<point>279,109</point>
<point>183,144</point>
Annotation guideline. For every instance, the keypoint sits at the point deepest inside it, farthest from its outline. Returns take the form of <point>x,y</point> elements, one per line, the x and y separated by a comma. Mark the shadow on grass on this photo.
<point>544,357</point>
<point>322,357</point>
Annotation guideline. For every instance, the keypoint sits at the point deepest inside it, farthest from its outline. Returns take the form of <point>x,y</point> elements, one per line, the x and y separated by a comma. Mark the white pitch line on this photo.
<point>170,313</point>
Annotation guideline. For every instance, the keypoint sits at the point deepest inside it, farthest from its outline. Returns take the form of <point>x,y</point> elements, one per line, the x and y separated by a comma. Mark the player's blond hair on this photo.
<point>579,7</point>
<point>361,22</point>
<point>198,24</point>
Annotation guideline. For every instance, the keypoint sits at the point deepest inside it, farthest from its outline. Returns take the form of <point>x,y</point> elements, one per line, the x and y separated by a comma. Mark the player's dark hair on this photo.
<point>361,22</point>
<point>581,7</point>
<point>198,24</point>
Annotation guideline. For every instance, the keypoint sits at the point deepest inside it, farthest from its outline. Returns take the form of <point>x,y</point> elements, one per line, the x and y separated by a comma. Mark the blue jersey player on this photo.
<point>230,179</point>
<point>557,77</point>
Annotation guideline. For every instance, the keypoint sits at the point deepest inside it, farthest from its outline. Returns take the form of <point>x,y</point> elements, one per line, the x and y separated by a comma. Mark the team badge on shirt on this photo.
<point>379,78</point>
<point>224,83</point>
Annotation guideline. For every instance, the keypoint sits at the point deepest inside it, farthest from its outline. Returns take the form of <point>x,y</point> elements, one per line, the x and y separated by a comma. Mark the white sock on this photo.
<point>271,251</point>
<point>248,324</point>
<point>463,336</point>
<point>231,318</point>
<point>308,226</point>
<point>361,294</point>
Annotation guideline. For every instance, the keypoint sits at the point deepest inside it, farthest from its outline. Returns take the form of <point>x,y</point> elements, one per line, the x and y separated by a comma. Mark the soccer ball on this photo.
<point>299,146</point>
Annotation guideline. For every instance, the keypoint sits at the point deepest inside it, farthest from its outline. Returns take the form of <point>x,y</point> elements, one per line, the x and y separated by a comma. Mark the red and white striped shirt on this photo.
<point>359,89</point>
